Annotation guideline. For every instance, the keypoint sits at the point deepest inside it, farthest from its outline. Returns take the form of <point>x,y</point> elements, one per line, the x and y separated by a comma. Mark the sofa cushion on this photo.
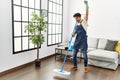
<point>91,49</point>
<point>110,46</point>
<point>102,43</point>
<point>103,55</point>
<point>92,42</point>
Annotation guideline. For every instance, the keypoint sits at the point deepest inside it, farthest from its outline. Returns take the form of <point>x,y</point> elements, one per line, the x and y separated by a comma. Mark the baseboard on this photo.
<point>22,66</point>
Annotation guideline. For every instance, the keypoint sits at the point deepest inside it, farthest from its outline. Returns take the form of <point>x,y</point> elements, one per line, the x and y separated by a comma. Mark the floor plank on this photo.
<point>46,72</point>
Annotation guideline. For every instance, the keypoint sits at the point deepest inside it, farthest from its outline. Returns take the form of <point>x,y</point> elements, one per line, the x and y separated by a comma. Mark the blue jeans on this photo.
<point>75,51</point>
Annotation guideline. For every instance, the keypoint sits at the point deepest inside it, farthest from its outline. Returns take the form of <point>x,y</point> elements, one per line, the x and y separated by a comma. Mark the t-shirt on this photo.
<point>84,24</point>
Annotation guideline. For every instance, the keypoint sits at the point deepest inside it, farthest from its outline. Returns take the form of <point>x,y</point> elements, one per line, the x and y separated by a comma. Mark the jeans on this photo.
<point>75,51</point>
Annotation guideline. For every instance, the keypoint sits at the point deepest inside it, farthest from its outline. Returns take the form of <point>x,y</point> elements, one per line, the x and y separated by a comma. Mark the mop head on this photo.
<point>61,72</point>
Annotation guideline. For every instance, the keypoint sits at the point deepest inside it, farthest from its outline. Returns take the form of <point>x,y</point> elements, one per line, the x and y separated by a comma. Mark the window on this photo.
<point>21,16</point>
<point>55,24</point>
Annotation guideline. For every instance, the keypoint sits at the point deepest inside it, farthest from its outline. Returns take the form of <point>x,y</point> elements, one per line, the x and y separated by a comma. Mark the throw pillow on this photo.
<point>110,46</point>
<point>117,47</point>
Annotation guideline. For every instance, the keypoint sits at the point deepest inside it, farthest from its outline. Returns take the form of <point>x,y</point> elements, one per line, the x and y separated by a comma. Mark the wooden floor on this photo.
<point>46,72</point>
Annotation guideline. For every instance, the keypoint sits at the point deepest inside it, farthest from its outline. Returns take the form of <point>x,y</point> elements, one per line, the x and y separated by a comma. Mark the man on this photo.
<point>81,38</point>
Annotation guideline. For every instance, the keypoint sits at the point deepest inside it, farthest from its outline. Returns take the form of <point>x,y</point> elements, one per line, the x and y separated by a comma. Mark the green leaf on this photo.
<point>37,24</point>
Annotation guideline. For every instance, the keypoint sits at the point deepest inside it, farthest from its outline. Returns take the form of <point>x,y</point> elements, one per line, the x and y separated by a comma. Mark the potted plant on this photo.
<point>36,27</point>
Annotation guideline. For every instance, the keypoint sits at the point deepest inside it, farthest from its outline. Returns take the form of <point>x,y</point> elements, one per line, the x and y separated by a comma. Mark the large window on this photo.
<point>55,14</point>
<point>21,13</point>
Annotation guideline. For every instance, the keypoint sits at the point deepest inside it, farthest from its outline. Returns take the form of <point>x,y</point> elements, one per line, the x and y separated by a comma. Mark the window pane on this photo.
<point>17,13</point>
<point>54,0</point>
<point>60,11</point>
<point>49,39</point>
<point>46,19</point>
<point>45,12</point>
<point>57,8</point>
<point>50,29</point>
<point>57,18</point>
<point>57,28</point>
<point>57,38</point>
<point>58,1</point>
<point>17,44</point>
<point>37,4</point>
<point>31,45</point>
<point>25,43</point>
<point>60,38</point>
<point>53,29</point>
<point>54,18</point>
<point>35,46</point>
<point>23,29</point>
<point>17,29</point>
<point>60,28</point>
<point>54,7</point>
<point>30,13</point>
<point>60,18</point>
<point>53,39</point>
<point>37,12</point>
<point>61,1</point>
<point>24,14</point>
<point>50,18</point>
<point>31,3</point>
<point>50,6</point>
<point>25,3</point>
<point>18,2</point>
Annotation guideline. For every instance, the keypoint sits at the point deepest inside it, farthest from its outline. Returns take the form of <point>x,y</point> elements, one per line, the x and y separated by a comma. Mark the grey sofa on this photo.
<point>97,56</point>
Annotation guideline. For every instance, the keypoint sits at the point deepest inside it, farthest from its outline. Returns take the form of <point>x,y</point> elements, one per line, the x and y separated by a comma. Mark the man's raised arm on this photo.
<point>87,10</point>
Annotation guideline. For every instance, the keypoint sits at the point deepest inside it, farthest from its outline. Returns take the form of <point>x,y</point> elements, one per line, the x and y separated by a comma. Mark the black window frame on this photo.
<point>55,24</point>
<point>21,22</point>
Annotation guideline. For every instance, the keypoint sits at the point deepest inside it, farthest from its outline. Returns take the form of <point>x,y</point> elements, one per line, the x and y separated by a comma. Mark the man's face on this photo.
<point>78,19</point>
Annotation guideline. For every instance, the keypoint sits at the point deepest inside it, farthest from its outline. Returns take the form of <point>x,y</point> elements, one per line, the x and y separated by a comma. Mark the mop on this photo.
<point>70,47</point>
<point>62,71</point>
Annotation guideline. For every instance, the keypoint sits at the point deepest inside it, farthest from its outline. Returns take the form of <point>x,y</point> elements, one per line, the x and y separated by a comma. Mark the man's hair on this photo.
<point>77,15</point>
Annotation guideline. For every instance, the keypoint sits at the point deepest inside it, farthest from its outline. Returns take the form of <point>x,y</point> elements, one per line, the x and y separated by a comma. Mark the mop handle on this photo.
<point>69,42</point>
<point>62,68</point>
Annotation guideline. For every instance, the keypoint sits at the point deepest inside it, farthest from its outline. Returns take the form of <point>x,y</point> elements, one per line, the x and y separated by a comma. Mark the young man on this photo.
<point>81,38</point>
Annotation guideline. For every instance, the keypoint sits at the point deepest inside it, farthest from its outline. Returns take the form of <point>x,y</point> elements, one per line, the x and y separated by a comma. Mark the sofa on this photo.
<point>98,56</point>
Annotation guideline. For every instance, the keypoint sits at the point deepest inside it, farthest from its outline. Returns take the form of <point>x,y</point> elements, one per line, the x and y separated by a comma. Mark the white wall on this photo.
<point>74,7</point>
<point>104,18</point>
<point>65,20</point>
<point>7,59</point>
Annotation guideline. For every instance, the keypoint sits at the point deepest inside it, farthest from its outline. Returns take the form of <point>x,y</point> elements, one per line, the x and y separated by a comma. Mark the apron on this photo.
<point>81,38</point>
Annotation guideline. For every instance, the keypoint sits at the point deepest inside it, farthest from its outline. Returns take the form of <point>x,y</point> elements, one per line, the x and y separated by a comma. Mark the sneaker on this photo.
<point>86,69</point>
<point>74,68</point>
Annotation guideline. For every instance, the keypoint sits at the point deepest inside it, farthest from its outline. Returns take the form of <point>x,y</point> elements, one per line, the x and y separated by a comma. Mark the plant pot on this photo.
<point>37,63</point>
